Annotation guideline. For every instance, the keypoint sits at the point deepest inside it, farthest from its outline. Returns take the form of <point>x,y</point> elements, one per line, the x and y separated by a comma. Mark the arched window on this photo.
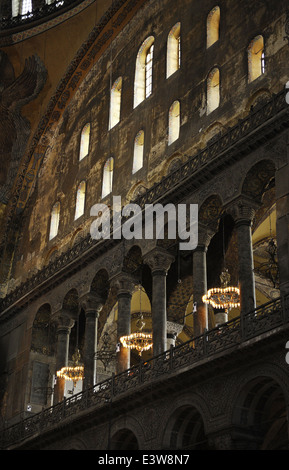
<point>115,101</point>
<point>143,71</point>
<point>213,26</point>
<point>21,7</point>
<point>107,177</point>
<point>256,58</point>
<point>174,122</point>
<point>54,220</point>
<point>80,200</point>
<point>138,152</point>
<point>213,90</point>
<point>84,141</point>
<point>174,50</point>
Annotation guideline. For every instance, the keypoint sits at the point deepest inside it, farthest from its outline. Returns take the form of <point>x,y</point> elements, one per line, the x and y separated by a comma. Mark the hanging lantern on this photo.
<point>139,341</point>
<point>224,297</point>
<point>75,372</point>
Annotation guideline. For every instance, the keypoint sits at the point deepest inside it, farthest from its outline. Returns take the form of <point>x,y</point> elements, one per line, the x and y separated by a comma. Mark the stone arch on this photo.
<point>43,331</point>
<point>51,255</point>
<point>124,439</point>
<point>210,211</point>
<point>257,178</point>
<point>185,428</point>
<point>258,99</point>
<point>100,283</point>
<point>260,414</point>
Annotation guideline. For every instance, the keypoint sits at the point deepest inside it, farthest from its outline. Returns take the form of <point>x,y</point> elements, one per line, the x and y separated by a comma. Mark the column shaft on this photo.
<point>246,266</point>
<point>159,309</point>
<point>199,289</point>
<point>123,329</point>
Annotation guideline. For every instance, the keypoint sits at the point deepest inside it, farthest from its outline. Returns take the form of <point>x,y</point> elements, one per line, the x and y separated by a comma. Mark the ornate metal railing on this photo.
<point>40,12</point>
<point>273,116</point>
<point>220,340</point>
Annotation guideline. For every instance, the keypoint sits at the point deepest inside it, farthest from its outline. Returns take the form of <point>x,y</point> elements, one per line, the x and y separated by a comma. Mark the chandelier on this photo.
<point>224,297</point>
<point>139,341</point>
<point>75,372</point>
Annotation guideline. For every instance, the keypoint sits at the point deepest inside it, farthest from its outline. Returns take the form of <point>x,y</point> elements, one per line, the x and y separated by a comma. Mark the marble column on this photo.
<point>159,262</point>
<point>64,323</point>
<point>243,211</point>
<point>92,305</point>
<point>282,223</point>
<point>200,279</point>
<point>125,285</point>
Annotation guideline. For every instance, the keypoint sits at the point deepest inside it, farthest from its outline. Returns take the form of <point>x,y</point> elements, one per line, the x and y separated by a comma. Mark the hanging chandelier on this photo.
<point>224,297</point>
<point>139,341</point>
<point>75,372</point>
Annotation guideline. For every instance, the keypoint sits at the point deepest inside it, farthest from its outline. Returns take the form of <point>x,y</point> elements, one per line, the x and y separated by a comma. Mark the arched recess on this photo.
<point>257,179</point>
<point>259,186</point>
<point>124,439</point>
<point>43,348</point>
<point>260,416</point>
<point>185,430</point>
<point>43,334</point>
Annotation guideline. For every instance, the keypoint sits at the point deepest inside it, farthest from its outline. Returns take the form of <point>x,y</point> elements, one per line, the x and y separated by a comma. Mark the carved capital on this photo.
<point>63,320</point>
<point>124,284</point>
<point>205,235</point>
<point>243,210</point>
<point>92,303</point>
<point>159,260</point>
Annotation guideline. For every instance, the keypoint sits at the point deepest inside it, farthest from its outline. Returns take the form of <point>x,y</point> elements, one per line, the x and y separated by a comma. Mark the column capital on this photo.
<point>124,283</point>
<point>205,235</point>
<point>92,303</point>
<point>159,260</point>
<point>243,210</point>
<point>63,320</point>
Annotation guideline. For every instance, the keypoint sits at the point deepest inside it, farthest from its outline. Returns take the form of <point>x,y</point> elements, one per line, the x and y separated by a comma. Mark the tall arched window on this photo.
<point>21,7</point>
<point>256,58</point>
<point>213,90</point>
<point>174,49</point>
<point>213,26</point>
<point>84,141</point>
<point>80,200</point>
<point>107,177</point>
<point>143,71</point>
<point>54,220</point>
<point>174,122</point>
<point>115,101</point>
<point>138,152</point>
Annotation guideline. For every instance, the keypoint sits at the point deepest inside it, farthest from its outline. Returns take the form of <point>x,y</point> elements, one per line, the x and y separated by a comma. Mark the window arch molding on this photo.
<point>143,71</point>
<point>174,122</point>
<point>80,200</point>
<point>54,220</point>
<point>174,49</point>
<point>213,26</point>
<point>84,141</point>
<point>256,58</point>
<point>213,89</point>
<point>115,103</point>
<point>138,151</point>
<point>107,177</point>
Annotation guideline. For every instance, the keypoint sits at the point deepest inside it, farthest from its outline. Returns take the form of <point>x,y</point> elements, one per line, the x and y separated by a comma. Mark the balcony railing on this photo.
<point>41,12</point>
<point>220,340</point>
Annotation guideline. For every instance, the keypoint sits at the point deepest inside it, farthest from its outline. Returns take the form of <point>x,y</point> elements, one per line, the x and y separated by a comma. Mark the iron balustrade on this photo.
<point>37,13</point>
<point>224,338</point>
